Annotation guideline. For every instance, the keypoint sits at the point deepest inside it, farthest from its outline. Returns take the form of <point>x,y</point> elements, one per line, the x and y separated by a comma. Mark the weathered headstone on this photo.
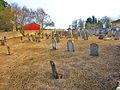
<point>57,38</point>
<point>8,49</point>
<point>70,46</point>
<point>54,44</point>
<point>85,35</point>
<point>33,38</point>
<point>5,39</point>
<point>21,38</point>
<point>94,49</point>
<point>54,71</point>
<point>28,36</point>
<point>2,42</point>
<point>117,35</point>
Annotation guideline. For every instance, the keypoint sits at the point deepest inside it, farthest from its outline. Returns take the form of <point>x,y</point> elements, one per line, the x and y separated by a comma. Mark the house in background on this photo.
<point>32,26</point>
<point>116,23</point>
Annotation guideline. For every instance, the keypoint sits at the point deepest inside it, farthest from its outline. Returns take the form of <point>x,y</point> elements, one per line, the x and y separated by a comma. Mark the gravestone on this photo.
<point>70,46</point>
<point>8,49</point>
<point>94,49</point>
<point>57,38</point>
<point>21,38</point>
<point>117,35</point>
<point>85,35</point>
<point>54,44</point>
<point>42,35</point>
<point>28,36</point>
<point>54,71</point>
<point>5,39</point>
<point>33,38</point>
<point>2,42</point>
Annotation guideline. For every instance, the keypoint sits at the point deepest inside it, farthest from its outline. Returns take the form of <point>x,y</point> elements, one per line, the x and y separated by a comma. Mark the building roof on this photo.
<point>30,24</point>
<point>115,21</point>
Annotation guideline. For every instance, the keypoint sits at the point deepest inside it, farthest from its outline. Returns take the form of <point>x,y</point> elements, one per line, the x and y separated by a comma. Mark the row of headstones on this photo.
<point>71,47</point>
<point>4,43</point>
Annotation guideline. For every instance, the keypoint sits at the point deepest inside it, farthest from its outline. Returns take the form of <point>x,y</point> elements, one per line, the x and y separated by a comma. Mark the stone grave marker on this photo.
<point>5,39</point>
<point>57,38</point>
<point>117,35</point>
<point>54,71</point>
<point>33,38</point>
<point>94,49</point>
<point>8,49</point>
<point>70,46</point>
<point>54,44</point>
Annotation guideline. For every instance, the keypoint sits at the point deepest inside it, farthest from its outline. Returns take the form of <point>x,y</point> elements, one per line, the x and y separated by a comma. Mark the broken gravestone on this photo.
<point>94,49</point>
<point>54,44</point>
<point>54,71</point>
<point>70,46</point>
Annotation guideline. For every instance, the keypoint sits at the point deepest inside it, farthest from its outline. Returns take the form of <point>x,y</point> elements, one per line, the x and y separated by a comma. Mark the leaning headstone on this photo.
<point>70,46</point>
<point>8,49</point>
<point>57,38</point>
<point>54,44</point>
<point>94,49</point>
<point>54,71</point>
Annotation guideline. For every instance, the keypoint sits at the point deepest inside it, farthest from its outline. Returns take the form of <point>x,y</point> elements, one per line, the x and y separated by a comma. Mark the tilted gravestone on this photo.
<point>57,38</point>
<point>8,49</point>
<point>70,46</point>
<point>54,44</point>
<point>54,71</point>
<point>94,49</point>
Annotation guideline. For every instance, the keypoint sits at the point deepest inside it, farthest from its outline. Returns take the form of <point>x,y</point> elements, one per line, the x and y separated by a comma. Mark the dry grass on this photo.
<point>28,67</point>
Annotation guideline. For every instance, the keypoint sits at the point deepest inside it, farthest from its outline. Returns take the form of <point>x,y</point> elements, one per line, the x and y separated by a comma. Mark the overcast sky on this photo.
<point>63,12</point>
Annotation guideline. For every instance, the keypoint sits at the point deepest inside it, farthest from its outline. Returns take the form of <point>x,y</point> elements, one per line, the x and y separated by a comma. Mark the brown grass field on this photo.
<point>28,67</point>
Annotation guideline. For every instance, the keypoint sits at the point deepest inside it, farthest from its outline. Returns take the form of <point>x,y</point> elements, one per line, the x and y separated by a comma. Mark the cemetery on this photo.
<point>45,46</point>
<point>60,62</point>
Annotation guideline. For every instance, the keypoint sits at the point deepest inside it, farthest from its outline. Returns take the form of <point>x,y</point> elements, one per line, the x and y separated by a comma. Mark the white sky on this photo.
<point>63,12</point>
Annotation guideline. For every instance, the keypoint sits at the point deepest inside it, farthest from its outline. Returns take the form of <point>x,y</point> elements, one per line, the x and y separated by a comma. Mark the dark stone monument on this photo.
<point>94,49</point>
<point>70,46</point>
<point>54,71</point>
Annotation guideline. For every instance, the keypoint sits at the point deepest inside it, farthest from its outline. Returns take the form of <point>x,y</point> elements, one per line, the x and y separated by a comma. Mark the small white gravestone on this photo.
<point>54,44</point>
<point>70,46</point>
<point>94,49</point>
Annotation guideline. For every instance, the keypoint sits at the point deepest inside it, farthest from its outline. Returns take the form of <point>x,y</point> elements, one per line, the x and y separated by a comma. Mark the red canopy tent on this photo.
<point>32,26</point>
